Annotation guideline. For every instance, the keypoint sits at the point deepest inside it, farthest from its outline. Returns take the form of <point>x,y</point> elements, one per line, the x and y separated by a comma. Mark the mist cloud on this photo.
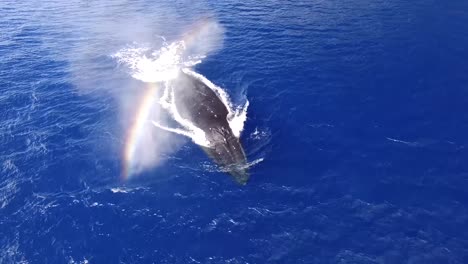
<point>127,51</point>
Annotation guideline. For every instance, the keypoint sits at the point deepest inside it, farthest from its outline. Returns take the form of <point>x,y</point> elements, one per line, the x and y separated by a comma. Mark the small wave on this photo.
<point>8,190</point>
<point>258,142</point>
<point>408,143</point>
<point>9,166</point>
<point>125,189</point>
<point>119,190</point>
<point>259,134</point>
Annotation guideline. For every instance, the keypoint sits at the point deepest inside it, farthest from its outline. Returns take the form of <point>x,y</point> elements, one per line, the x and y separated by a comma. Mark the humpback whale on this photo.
<point>203,107</point>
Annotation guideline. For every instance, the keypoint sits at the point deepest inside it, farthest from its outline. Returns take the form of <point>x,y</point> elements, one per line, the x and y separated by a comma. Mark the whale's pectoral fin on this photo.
<point>173,130</point>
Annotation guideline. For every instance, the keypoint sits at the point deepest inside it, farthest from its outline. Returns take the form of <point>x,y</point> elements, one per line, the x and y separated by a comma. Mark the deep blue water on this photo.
<point>358,109</point>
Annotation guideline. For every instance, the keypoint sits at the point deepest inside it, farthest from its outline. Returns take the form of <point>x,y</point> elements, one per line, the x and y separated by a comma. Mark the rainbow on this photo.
<point>134,133</point>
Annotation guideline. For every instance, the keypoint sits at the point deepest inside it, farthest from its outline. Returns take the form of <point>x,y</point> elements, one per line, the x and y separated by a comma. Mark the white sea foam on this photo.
<point>237,122</point>
<point>119,190</point>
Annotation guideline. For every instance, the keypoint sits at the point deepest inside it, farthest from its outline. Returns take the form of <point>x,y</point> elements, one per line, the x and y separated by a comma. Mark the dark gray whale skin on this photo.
<point>202,106</point>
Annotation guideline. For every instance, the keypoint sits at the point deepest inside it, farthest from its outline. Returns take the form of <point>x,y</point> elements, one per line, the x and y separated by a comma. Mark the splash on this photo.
<point>158,67</point>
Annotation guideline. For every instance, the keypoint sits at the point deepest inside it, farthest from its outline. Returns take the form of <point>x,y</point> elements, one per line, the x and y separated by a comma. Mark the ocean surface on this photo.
<point>356,132</point>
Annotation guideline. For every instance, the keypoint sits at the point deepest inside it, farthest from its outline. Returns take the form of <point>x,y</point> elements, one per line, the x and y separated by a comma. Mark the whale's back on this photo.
<point>197,102</point>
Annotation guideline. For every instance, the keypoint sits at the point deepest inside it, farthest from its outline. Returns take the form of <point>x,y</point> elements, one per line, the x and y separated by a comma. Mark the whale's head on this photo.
<point>227,151</point>
<point>240,174</point>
